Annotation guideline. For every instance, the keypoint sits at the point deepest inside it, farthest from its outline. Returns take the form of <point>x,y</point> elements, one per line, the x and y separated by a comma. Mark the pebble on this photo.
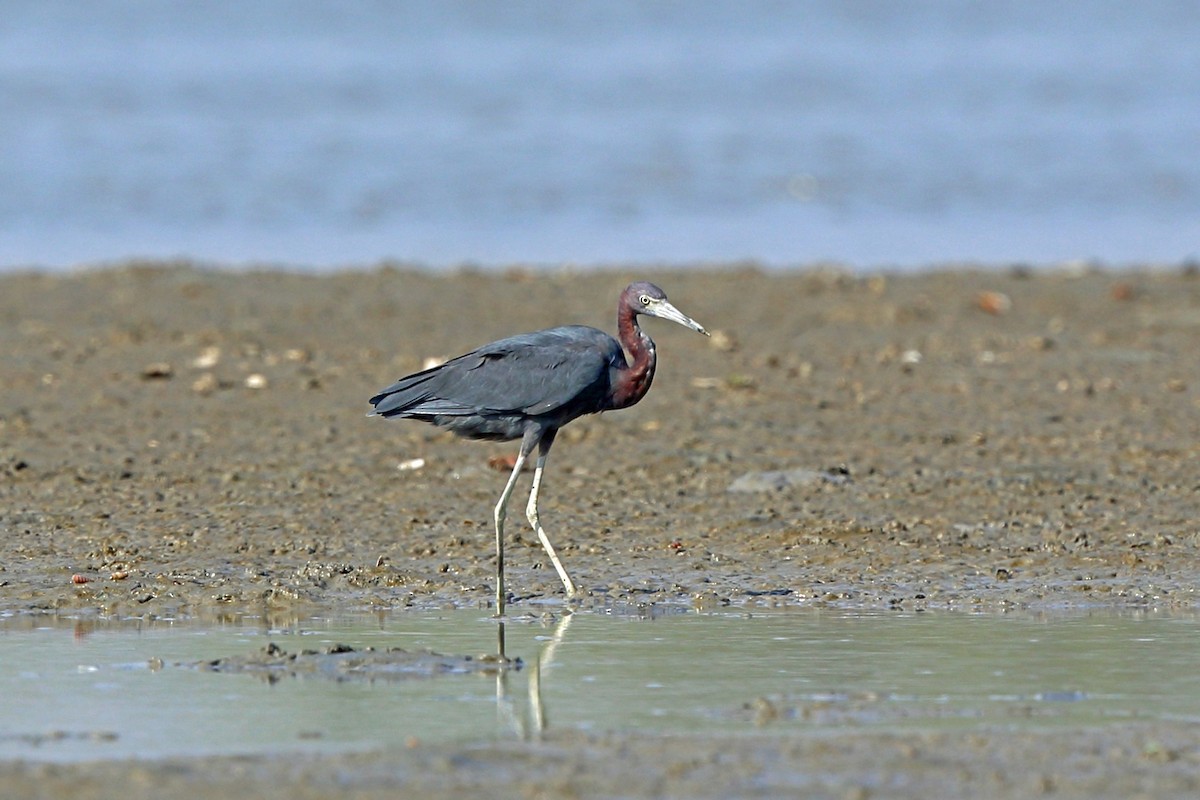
<point>157,370</point>
<point>723,341</point>
<point>778,480</point>
<point>205,384</point>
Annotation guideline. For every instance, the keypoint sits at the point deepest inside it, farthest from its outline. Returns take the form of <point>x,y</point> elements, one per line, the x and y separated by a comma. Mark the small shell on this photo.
<point>504,463</point>
<point>208,358</point>
<point>77,578</point>
<point>994,302</point>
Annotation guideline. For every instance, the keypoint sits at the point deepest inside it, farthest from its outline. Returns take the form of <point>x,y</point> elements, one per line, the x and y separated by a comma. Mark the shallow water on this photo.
<point>80,690</point>
<point>325,134</point>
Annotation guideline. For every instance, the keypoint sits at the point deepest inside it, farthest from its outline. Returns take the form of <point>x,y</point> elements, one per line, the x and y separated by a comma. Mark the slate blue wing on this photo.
<point>554,375</point>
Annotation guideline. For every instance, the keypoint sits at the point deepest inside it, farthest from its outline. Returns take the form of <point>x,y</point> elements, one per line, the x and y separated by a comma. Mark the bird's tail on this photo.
<point>405,395</point>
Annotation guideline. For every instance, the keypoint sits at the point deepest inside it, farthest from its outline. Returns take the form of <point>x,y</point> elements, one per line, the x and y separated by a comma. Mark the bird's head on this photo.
<point>646,298</point>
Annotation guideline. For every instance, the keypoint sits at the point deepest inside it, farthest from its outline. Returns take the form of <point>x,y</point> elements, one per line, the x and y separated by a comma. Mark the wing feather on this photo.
<point>535,374</point>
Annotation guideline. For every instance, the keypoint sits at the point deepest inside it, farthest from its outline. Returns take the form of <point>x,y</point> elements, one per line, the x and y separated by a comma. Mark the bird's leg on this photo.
<point>501,510</point>
<point>531,512</point>
<point>527,444</point>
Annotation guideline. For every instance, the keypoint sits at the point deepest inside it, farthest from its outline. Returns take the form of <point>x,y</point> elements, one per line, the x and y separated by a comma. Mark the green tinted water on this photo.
<point>72,690</point>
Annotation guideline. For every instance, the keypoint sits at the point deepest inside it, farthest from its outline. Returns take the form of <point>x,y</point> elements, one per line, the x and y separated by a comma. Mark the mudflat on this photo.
<point>183,441</point>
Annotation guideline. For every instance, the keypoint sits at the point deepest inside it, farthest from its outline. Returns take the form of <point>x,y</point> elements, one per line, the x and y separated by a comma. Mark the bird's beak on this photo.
<point>665,310</point>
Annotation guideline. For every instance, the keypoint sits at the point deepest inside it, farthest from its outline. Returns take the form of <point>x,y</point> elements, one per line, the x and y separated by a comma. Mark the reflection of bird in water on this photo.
<point>528,386</point>
<point>537,711</point>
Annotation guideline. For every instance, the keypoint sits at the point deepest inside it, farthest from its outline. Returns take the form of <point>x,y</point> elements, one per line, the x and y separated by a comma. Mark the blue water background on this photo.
<point>327,134</point>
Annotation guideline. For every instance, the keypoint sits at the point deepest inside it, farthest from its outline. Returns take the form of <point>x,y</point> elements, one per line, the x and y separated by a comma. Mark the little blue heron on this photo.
<point>528,386</point>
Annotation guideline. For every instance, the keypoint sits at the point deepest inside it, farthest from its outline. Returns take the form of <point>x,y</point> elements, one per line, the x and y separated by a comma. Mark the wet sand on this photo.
<point>176,441</point>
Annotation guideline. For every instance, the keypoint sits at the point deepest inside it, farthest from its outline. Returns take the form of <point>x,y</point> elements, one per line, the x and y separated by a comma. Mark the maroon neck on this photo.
<point>633,382</point>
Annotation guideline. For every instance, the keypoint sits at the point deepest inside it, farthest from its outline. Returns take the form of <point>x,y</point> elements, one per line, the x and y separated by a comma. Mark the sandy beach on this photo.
<point>181,441</point>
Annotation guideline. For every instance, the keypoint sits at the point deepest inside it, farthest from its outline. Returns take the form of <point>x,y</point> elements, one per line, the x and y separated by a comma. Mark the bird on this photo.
<point>529,386</point>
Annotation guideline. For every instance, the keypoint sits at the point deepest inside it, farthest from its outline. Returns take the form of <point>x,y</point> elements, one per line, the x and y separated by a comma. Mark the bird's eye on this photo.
<point>645,299</point>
